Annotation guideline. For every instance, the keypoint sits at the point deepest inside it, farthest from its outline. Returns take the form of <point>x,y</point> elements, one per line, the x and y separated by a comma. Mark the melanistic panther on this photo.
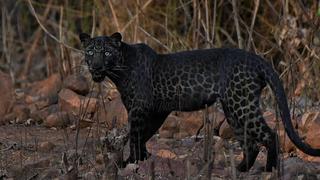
<point>153,85</point>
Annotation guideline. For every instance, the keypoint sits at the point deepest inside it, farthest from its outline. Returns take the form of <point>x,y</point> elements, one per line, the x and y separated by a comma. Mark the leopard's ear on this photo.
<point>84,38</point>
<point>116,36</point>
<point>116,39</point>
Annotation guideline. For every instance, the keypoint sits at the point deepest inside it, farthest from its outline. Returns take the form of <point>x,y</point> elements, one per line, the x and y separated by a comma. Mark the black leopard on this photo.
<point>152,85</point>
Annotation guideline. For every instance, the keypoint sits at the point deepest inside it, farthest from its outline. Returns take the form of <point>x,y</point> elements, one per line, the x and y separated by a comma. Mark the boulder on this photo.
<point>71,102</point>
<point>225,131</point>
<point>311,122</point>
<point>40,115</point>
<point>45,88</point>
<point>77,83</point>
<point>113,113</point>
<point>169,127</point>
<point>190,124</point>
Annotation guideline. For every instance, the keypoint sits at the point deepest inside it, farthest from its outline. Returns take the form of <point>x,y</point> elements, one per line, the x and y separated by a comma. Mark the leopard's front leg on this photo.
<point>143,124</point>
<point>137,118</point>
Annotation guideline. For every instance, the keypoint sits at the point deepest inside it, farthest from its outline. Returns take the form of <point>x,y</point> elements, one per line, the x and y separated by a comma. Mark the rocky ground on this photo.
<point>40,138</point>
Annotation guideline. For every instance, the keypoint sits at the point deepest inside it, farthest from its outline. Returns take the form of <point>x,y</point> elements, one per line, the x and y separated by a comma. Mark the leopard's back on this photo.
<point>190,80</point>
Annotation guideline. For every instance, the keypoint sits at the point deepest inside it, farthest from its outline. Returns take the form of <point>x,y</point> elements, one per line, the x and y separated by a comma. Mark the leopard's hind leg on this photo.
<point>242,105</point>
<point>250,153</point>
<point>250,150</point>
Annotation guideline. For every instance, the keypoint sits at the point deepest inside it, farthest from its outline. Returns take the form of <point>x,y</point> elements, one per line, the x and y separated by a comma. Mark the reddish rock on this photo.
<point>113,113</point>
<point>180,135</point>
<point>42,114</point>
<point>217,116</point>
<point>225,131</point>
<point>59,119</point>
<point>285,142</point>
<point>188,123</point>
<point>312,133</point>
<point>309,118</point>
<point>72,103</point>
<point>6,92</point>
<point>166,134</point>
<point>47,87</point>
<point>21,112</point>
<point>84,123</point>
<point>8,118</point>
<point>191,123</point>
<point>169,127</point>
<point>113,94</point>
<point>164,153</point>
<point>77,83</point>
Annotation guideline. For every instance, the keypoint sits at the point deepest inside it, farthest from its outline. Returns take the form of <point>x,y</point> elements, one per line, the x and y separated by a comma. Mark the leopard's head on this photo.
<point>102,54</point>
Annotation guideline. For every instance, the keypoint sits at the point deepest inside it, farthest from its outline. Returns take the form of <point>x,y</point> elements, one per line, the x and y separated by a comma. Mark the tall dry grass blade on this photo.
<point>214,21</point>
<point>255,11</point>
<point>136,16</point>
<point>236,22</point>
<point>7,41</point>
<point>233,165</point>
<point>62,69</point>
<point>34,45</point>
<point>207,24</point>
<point>115,19</point>
<point>93,29</point>
<point>154,39</point>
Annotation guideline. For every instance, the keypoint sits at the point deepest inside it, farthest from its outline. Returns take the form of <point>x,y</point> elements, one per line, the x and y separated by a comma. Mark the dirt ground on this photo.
<point>36,152</point>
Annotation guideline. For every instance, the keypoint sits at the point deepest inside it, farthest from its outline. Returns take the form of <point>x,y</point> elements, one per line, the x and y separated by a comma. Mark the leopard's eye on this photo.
<point>90,53</point>
<point>107,53</point>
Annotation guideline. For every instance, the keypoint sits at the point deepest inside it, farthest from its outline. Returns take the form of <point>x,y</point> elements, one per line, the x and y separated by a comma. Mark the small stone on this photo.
<point>46,146</point>
<point>22,113</point>
<point>166,154</point>
<point>99,159</point>
<point>59,119</point>
<point>8,118</point>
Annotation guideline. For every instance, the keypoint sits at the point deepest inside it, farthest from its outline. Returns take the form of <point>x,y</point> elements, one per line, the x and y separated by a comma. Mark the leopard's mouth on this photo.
<point>97,77</point>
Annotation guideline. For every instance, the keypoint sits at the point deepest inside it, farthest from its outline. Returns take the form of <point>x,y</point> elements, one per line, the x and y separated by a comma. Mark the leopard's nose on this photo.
<point>97,68</point>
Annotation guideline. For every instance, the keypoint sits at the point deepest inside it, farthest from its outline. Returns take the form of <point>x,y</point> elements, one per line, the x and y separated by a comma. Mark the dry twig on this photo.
<point>33,12</point>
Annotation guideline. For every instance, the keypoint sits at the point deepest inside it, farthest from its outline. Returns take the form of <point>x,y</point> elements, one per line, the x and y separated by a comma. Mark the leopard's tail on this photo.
<point>273,80</point>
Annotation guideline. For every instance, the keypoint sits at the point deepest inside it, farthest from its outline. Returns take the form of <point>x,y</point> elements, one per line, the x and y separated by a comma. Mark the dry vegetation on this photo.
<point>285,32</point>
<point>40,38</point>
